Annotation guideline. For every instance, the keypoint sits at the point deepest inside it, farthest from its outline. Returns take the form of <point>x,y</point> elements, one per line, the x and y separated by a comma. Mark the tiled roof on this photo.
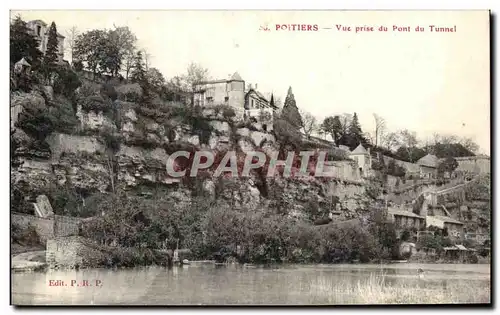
<point>236,76</point>
<point>395,211</point>
<point>429,160</point>
<point>258,94</point>
<point>359,150</point>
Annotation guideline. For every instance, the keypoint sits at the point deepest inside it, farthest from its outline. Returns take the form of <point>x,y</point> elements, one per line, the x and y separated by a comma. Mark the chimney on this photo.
<point>256,86</point>
<point>249,86</point>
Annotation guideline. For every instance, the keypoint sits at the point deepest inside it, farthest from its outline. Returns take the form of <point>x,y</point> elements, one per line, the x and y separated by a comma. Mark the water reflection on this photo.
<point>233,284</point>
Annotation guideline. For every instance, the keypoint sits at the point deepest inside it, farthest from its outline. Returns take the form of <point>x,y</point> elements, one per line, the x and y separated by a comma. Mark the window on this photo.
<point>226,99</point>
<point>210,99</point>
<point>264,127</point>
<point>252,106</point>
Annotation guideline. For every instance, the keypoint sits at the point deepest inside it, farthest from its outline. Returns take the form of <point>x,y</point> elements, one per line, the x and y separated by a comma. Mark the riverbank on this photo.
<point>29,261</point>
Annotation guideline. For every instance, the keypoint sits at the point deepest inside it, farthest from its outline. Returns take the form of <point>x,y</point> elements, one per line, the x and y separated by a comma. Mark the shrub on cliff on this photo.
<point>129,92</point>
<point>37,122</point>
<point>97,104</point>
<point>63,115</point>
<point>89,88</point>
<point>66,81</point>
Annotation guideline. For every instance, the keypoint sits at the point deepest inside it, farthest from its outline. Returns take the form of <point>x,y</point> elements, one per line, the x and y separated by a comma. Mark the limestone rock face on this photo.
<point>88,162</point>
<point>94,121</point>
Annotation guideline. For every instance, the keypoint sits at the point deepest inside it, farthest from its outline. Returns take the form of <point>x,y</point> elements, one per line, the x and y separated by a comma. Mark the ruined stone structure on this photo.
<point>40,30</point>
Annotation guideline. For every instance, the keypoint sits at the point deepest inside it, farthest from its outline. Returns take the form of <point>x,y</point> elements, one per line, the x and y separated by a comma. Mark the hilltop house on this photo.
<point>246,100</point>
<point>41,32</point>
<point>362,158</point>
<point>428,166</point>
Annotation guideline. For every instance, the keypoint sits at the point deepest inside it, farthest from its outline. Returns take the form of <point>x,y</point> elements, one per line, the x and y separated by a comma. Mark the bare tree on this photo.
<point>469,144</point>
<point>310,123</point>
<point>128,63</point>
<point>345,121</point>
<point>278,102</point>
<point>390,140</point>
<point>379,128</point>
<point>195,74</point>
<point>70,39</point>
<point>147,59</point>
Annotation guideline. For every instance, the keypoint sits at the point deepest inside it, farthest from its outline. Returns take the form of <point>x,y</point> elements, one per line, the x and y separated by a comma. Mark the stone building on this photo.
<point>363,158</point>
<point>455,228</point>
<point>404,220</point>
<point>41,32</point>
<point>246,100</point>
<point>428,166</point>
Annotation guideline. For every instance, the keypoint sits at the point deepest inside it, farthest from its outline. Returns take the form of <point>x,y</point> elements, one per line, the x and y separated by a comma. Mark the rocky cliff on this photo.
<point>119,145</point>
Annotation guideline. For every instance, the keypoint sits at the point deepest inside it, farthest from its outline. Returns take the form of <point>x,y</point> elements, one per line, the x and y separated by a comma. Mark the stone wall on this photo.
<point>474,164</point>
<point>411,168</point>
<point>44,227</point>
<point>66,226</point>
<point>48,228</point>
<point>64,252</point>
<point>344,170</point>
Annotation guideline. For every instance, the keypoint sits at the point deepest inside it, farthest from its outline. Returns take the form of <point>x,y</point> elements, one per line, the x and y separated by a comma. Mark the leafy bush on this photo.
<point>37,122</point>
<point>27,100</point>
<point>66,81</point>
<point>193,116</point>
<point>97,104</point>
<point>108,91</point>
<point>88,89</point>
<point>129,92</point>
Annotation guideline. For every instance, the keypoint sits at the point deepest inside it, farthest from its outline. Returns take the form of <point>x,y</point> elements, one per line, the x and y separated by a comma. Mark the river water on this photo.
<point>202,284</point>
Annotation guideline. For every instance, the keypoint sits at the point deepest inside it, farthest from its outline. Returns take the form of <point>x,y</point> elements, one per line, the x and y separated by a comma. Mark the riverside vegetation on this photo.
<point>213,217</point>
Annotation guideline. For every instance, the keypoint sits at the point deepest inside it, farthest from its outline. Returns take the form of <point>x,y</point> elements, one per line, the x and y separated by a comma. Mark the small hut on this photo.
<point>22,66</point>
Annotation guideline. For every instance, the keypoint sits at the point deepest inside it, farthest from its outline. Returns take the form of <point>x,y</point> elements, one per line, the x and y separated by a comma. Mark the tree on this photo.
<point>70,40</point>
<point>287,136</point>
<point>408,149</point>
<point>390,140</point>
<point>290,111</point>
<point>52,50</point>
<point>155,79</point>
<point>278,102</point>
<point>195,73</point>
<point>408,154</point>
<point>90,49</point>
<point>128,63</point>
<point>147,58</point>
<point>449,164</point>
<point>333,126</point>
<point>310,123</point>
<point>138,74</point>
<point>469,144</point>
<point>379,128</point>
<point>23,44</point>
<point>355,135</point>
<point>123,43</point>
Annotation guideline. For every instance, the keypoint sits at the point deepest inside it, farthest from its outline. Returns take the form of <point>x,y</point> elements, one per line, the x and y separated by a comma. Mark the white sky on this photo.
<point>425,82</point>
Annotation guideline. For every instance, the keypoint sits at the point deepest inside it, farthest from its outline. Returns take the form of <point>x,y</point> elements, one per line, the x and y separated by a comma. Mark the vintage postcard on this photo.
<point>250,157</point>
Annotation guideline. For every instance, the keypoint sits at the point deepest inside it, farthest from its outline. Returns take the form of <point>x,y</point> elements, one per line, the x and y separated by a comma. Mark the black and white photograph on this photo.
<point>250,157</point>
